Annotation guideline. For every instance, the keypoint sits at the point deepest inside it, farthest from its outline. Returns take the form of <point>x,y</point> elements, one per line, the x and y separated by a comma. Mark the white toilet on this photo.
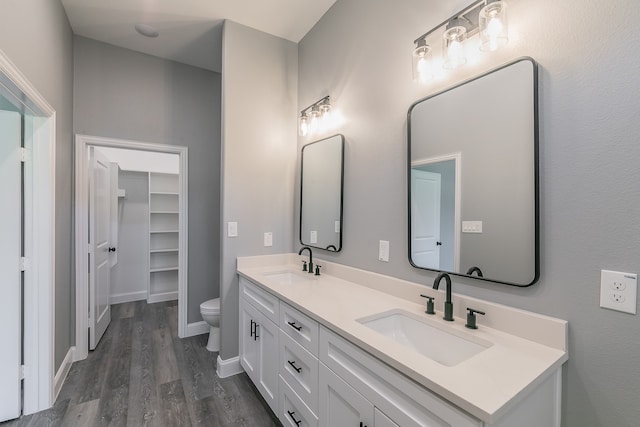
<point>210,311</point>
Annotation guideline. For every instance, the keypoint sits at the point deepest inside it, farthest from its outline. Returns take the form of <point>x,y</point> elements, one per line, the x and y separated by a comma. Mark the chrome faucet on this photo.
<point>310,257</point>
<point>448,305</point>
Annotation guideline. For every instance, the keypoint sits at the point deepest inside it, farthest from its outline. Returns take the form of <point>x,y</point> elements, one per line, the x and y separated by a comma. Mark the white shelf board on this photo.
<point>161,269</point>
<point>157,251</point>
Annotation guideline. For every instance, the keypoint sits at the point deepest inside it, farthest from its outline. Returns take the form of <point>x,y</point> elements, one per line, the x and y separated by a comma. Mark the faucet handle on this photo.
<point>471,317</point>
<point>304,265</point>
<point>430,305</point>
<point>318,269</point>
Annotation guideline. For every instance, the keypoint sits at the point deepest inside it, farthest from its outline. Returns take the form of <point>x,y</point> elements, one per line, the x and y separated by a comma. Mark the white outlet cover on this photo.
<point>383,251</point>
<point>268,239</point>
<point>313,237</point>
<point>618,291</point>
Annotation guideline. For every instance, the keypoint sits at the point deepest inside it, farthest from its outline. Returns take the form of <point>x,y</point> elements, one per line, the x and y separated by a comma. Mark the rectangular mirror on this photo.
<point>321,187</point>
<point>473,177</point>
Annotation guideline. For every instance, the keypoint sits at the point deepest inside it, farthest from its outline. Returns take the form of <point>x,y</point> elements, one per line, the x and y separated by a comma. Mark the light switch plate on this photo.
<point>472,226</point>
<point>618,291</point>
<point>268,239</point>
<point>232,229</point>
<point>313,237</point>
<point>337,227</point>
<point>383,251</point>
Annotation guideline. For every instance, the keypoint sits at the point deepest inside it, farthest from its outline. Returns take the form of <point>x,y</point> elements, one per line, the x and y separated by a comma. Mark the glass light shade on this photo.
<point>314,119</point>
<point>493,26</point>
<point>452,48</point>
<point>325,109</point>
<point>304,125</point>
<point>422,62</point>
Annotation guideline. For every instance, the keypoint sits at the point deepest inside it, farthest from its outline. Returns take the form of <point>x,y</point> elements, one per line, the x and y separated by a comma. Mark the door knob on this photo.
<point>438,243</point>
<point>112,249</point>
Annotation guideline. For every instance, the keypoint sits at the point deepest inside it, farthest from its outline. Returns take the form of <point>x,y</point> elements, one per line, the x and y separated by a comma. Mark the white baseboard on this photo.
<point>127,297</point>
<point>165,296</point>
<point>197,328</point>
<point>229,367</point>
<point>61,375</point>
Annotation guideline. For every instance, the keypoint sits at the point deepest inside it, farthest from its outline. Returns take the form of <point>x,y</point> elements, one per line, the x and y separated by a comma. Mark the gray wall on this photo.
<point>36,36</point>
<point>259,151</point>
<point>124,94</point>
<point>131,273</point>
<point>590,180</point>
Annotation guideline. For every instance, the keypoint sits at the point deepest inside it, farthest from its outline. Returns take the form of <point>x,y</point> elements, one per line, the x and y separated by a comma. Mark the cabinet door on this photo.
<point>248,344</point>
<point>268,335</point>
<point>340,404</point>
<point>381,420</point>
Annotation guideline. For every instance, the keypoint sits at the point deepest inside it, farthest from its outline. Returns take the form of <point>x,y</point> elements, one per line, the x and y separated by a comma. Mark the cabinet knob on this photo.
<point>112,249</point>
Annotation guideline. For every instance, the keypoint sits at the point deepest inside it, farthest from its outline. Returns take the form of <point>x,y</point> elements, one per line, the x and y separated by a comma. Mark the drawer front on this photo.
<point>293,412</point>
<point>300,327</point>
<point>404,401</point>
<point>299,368</point>
<point>263,301</point>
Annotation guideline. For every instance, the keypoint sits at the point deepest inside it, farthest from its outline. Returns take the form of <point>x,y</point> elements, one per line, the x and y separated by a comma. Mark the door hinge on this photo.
<point>25,155</point>
<point>25,264</point>
<point>23,370</point>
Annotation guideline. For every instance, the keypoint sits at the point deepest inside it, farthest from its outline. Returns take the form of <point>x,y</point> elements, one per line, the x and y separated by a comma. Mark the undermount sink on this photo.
<point>432,341</point>
<point>287,277</point>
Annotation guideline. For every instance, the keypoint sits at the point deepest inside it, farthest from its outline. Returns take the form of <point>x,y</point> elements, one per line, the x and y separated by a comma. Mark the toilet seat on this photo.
<point>211,306</point>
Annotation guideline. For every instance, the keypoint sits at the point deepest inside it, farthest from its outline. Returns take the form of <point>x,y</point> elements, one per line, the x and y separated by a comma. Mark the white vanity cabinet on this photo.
<point>259,340</point>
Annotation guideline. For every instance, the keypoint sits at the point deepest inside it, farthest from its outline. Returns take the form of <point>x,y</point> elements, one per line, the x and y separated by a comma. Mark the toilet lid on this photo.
<point>211,306</point>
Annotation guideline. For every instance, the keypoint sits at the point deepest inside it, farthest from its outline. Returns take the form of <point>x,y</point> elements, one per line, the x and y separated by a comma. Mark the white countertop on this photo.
<point>486,385</point>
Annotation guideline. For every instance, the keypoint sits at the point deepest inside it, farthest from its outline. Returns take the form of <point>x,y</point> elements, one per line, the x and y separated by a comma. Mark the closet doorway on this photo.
<point>141,189</point>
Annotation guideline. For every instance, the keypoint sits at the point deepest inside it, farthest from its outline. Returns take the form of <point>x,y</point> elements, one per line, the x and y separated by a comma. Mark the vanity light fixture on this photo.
<point>312,116</point>
<point>488,18</point>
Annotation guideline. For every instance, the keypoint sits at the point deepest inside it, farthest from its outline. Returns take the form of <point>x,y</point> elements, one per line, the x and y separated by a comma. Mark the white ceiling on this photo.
<point>190,30</point>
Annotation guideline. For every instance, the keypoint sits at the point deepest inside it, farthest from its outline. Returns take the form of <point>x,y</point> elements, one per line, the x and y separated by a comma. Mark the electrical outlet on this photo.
<point>268,239</point>
<point>313,237</point>
<point>618,291</point>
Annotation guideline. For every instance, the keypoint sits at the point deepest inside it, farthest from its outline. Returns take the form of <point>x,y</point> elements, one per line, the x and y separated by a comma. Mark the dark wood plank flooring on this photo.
<point>142,374</point>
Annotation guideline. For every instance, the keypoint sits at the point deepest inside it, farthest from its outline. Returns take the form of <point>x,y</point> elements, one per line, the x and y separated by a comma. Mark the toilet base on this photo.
<point>214,339</point>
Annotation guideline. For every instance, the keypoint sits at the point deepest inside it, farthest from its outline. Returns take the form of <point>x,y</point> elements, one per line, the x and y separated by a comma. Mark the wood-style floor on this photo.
<point>142,374</point>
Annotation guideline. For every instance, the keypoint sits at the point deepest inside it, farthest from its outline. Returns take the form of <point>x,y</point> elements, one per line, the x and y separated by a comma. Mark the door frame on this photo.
<point>457,158</point>
<point>39,283</point>
<point>82,234</point>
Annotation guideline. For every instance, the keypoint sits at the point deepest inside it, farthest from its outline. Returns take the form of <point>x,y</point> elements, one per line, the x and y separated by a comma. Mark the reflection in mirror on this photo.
<point>321,193</point>
<point>473,198</point>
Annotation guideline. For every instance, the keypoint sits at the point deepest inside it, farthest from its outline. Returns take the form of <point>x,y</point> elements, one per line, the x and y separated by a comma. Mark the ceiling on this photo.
<point>190,30</point>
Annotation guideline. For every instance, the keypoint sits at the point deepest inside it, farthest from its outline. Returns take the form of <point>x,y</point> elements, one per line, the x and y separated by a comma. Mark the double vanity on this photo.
<point>355,348</point>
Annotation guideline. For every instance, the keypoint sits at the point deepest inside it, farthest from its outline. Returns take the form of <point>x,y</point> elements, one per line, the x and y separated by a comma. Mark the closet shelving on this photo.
<point>164,215</point>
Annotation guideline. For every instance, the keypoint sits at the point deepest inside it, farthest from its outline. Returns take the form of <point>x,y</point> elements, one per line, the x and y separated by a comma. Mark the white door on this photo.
<point>10,276</point>
<point>340,404</point>
<point>248,344</point>
<point>267,334</point>
<point>425,218</point>
<point>99,240</point>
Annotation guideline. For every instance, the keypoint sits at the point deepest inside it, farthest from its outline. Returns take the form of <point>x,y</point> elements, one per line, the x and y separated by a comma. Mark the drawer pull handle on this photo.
<point>293,325</point>
<point>293,365</point>
<point>251,330</point>
<point>255,331</point>
<point>293,418</point>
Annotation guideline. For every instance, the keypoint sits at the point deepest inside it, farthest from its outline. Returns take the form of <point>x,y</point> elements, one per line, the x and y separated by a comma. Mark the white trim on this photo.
<point>162,297</point>
<point>82,220</point>
<point>127,297</point>
<point>63,371</point>
<point>197,328</point>
<point>457,158</point>
<point>39,312</point>
<point>229,367</point>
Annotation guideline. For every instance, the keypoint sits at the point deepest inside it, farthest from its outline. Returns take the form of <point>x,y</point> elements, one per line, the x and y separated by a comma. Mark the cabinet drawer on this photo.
<point>267,304</point>
<point>400,398</point>
<point>300,327</point>
<point>293,412</point>
<point>300,369</point>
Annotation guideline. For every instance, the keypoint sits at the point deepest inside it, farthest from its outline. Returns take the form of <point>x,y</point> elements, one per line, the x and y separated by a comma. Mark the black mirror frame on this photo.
<point>536,172</point>
<point>342,144</point>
